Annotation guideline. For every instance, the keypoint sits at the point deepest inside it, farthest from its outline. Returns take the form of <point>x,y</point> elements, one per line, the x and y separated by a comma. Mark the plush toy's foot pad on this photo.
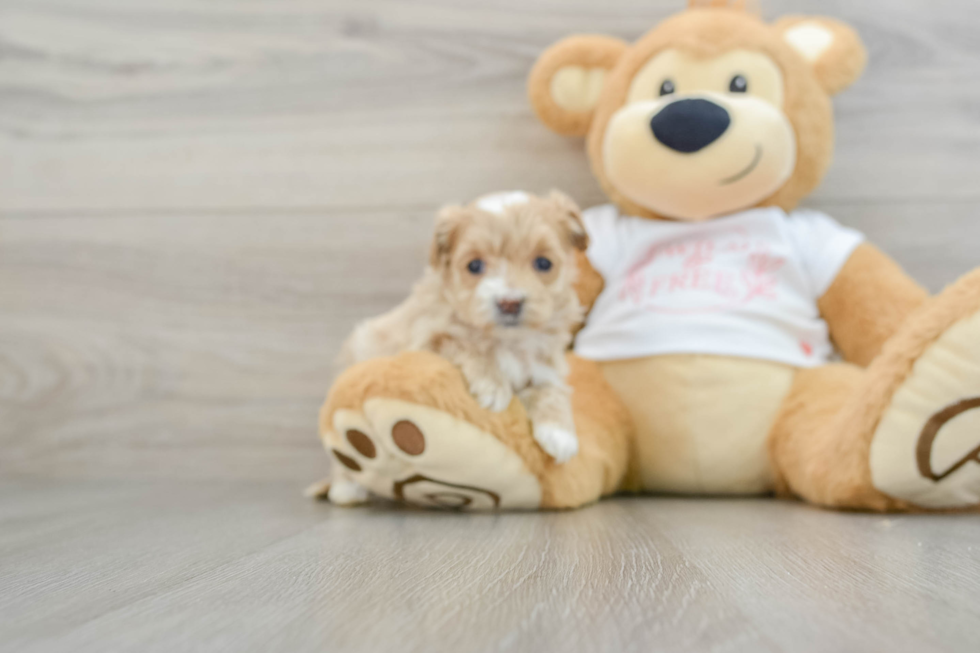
<point>926,449</point>
<point>425,457</point>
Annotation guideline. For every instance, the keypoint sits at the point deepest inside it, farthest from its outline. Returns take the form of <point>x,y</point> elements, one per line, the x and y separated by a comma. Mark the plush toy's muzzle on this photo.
<point>699,156</point>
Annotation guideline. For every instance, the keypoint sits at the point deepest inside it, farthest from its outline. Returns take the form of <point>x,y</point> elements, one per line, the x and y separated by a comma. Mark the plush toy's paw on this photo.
<point>491,394</point>
<point>557,441</point>
<point>926,448</point>
<point>426,457</point>
<point>347,493</point>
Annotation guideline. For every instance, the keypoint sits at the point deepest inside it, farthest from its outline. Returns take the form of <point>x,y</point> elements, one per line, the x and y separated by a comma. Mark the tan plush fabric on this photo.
<point>702,421</point>
<point>868,302</point>
<point>606,436</point>
<point>814,446</point>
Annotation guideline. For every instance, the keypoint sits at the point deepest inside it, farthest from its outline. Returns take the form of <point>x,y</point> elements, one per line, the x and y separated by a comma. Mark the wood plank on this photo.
<point>125,340</point>
<point>70,553</point>
<point>169,566</point>
<point>844,582</point>
<point>454,582</point>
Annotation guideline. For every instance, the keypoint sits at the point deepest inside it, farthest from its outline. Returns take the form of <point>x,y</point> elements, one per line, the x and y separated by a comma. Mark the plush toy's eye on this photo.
<point>475,266</point>
<point>667,88</point>
<point>542,264</point>
<point>739,84</point>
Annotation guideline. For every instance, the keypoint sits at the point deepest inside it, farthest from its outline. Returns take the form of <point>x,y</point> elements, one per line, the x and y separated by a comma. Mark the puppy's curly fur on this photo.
<point>498,300</point>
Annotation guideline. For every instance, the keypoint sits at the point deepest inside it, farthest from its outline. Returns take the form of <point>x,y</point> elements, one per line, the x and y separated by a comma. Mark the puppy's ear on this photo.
<point>571,218</point>
<point>448,222</point>
<point>567,81</point>
<point>832,48</point>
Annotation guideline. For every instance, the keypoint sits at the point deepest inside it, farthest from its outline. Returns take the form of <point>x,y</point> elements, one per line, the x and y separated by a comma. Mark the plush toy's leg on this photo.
<point>816,453</point>
<point>407,428</point>
<point>904,434</point>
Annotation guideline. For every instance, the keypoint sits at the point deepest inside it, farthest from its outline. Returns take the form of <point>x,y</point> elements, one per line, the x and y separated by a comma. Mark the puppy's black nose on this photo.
<point>688,126</point>
<point>510,307</point>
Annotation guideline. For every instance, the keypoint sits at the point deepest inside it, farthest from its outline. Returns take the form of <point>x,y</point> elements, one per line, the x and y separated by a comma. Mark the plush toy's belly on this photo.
<point>702,422</point>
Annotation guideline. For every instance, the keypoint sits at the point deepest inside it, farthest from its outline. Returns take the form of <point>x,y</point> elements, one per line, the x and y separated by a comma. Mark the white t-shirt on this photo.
<point>745,285</point>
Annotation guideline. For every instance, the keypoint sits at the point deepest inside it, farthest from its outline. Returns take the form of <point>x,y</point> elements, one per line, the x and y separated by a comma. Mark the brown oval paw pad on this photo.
<point>362,443</point>
<point>408,438</point>
<point>346,461</point>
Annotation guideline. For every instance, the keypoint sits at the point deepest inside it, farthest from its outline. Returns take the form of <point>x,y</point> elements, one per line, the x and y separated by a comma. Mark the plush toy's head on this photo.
<point>712,112</point>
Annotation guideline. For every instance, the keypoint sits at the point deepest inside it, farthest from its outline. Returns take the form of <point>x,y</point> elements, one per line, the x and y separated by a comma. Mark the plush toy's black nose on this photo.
<point>689,126</point>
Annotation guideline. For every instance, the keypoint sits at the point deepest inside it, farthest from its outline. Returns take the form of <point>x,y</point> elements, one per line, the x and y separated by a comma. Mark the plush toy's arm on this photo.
<point>590,283</point>
<point>867,303</point>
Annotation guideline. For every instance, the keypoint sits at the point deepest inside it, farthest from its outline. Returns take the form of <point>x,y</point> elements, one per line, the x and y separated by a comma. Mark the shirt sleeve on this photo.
<point>823,246</point>
<point>601,223</point>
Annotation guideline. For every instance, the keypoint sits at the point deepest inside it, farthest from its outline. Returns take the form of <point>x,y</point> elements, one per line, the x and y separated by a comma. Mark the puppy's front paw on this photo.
<point>492,395</point>
<point>347,493</point>
<point>557,441</point>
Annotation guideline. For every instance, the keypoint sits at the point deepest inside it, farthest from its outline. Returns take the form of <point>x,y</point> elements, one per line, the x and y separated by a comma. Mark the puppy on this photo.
<point>497,299</point>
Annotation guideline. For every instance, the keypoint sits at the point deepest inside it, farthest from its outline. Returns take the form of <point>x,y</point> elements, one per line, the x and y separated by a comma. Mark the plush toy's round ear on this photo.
<point>833,48</point>
<point>567,81</point>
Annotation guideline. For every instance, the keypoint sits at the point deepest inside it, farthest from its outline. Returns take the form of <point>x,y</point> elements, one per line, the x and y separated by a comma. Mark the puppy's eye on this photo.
<point>739,84</point>
<point>542,264</point>
<point>667,88</point>
<point>475,266</point>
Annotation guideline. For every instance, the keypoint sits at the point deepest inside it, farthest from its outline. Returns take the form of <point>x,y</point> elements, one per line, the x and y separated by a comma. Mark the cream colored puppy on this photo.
<point>497,299</point>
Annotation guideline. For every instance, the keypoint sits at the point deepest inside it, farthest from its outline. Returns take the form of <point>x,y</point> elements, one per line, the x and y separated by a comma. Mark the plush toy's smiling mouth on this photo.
<point>745,173</point>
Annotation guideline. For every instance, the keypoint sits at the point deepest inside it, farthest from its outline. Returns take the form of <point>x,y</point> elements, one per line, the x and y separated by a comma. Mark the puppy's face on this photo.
<point>508,261</point>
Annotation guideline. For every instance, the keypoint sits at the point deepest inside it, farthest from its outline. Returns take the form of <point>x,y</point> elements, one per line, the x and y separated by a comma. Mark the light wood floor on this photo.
<point>197,201</point>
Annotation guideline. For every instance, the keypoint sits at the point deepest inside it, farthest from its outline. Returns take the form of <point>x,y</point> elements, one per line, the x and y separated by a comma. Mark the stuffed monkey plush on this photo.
<point>704,366</point>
